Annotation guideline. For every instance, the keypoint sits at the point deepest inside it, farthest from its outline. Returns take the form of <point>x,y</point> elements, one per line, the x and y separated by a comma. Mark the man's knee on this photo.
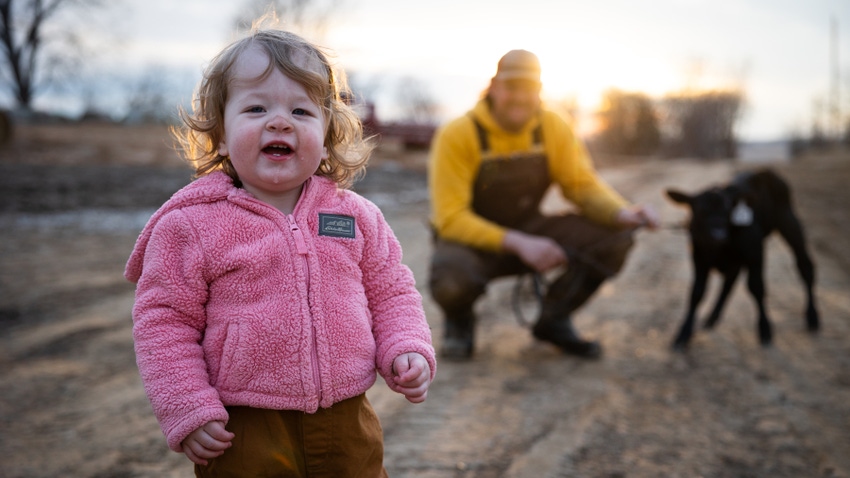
<point>608,255</point>
<point>456,277</point>
<point>622,242</point>
<point>454,289</point>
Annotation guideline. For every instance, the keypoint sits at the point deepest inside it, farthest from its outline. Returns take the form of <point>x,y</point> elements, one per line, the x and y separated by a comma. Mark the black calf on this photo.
<point>728,227</point>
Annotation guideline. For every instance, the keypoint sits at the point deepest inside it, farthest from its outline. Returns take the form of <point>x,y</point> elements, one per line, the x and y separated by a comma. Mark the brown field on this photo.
<point>71,402</point>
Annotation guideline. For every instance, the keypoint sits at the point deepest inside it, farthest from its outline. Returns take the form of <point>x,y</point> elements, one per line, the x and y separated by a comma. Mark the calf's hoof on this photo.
<point>679,346</point>
<point>812,320</point>
<point>765,335</point>
<point>683,338</point>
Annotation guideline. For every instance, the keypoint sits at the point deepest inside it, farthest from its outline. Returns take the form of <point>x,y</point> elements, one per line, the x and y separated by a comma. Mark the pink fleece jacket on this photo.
<point>240,304</point>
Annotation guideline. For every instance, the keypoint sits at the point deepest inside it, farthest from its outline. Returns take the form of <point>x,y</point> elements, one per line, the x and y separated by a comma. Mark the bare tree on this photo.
<point>364,90</point>
<point>702,124</point>
<point>628,124</point>
<point>416,102</point>
<point>306,17</point>
<point>151,97</point>
<point>818,137</point>
<point>37,53</point>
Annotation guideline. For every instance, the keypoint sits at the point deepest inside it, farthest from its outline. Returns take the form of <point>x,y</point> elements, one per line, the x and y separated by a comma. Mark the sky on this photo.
<point>778,51</point>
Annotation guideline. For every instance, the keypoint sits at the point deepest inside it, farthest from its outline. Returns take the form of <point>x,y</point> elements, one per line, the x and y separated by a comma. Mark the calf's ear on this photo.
<point>678,196</point>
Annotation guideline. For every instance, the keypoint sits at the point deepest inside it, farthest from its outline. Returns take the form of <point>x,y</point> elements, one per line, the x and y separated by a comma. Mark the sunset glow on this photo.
<point>778,53</point>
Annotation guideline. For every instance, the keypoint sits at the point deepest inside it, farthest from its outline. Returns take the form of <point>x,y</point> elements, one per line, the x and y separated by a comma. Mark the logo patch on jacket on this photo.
<point>336,225</point>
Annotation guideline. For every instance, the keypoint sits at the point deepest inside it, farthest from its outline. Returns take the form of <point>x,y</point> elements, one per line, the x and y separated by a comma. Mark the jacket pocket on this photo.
<point>229,355</point>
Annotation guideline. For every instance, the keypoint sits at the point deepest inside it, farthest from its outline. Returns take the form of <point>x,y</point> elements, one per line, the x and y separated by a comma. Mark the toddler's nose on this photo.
<point>278,122</point>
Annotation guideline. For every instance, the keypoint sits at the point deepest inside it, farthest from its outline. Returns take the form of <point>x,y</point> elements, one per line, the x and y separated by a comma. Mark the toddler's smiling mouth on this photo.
<point>278,149</point>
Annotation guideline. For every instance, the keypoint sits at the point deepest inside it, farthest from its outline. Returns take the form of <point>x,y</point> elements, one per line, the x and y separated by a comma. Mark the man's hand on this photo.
<point>540,253</point>
<point>637,216</point>
<point>208,441</point>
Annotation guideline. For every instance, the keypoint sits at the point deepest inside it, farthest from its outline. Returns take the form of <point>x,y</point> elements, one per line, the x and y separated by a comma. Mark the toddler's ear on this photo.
<point>324,152</point>
<point>222,149</point>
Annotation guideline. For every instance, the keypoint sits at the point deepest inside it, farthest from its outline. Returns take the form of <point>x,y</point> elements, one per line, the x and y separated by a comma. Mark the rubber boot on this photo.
<point>560,332</point>
<point>459,337</point>
<point>568,293</point>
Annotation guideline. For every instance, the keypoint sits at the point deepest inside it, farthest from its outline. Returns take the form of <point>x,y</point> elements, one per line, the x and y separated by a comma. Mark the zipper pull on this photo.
<point>300,245</point>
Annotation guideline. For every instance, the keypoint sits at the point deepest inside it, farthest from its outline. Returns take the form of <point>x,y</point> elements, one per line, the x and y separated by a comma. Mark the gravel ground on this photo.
<point>71,403</point>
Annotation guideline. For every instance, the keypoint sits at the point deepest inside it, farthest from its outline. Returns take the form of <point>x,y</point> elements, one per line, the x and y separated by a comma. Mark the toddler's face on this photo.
<point>273,132</point>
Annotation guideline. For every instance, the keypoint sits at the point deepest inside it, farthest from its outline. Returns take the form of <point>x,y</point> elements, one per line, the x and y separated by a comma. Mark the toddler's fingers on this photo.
<point>417,397</point>
<point>195,459</point>
<point>414,374</point>
<point>401,365</point>
<point>217,431</point>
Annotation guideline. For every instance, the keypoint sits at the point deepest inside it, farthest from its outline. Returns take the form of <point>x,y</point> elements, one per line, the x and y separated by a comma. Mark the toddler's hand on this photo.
<point>412,375</point>
<point>208,441</point>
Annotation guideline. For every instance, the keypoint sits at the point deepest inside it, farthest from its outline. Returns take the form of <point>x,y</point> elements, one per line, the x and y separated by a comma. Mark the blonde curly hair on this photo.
<point>203,128</point>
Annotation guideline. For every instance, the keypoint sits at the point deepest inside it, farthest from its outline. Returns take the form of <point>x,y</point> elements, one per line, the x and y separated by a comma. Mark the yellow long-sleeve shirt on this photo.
<point>456,157</point>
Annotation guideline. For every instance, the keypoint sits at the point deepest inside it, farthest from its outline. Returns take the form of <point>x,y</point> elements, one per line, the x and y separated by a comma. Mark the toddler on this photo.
<point>268,295</point>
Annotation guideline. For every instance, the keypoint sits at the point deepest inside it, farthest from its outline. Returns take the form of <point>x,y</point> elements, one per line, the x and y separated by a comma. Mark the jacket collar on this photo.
<point>214,187</point>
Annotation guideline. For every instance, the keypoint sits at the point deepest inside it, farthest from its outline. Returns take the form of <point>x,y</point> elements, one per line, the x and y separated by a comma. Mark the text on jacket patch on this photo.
<point>336,225</point>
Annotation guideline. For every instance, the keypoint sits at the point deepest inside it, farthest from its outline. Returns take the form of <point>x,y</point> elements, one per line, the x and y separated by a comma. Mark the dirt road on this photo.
<point>71,403</point>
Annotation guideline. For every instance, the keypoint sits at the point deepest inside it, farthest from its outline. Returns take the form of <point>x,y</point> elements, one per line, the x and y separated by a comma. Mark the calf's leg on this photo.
<point>697,292</point>
<point>729,278</point>
<point>755,283</point>
<point>792,231</point>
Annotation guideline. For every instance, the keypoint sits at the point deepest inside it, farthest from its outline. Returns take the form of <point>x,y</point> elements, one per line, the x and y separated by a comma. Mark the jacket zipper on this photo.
<point>301,247</point>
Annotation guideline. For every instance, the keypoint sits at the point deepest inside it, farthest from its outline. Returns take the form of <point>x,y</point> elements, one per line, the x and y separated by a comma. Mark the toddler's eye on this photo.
<point>255,109</point>
<point>299,111</point>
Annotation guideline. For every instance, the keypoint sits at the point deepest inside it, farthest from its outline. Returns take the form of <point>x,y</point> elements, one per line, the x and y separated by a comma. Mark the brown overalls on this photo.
<point>508,191</point>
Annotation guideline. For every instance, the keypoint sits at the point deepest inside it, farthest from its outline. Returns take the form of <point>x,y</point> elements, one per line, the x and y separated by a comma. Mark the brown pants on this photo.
<point>459,274</point>
<point>344,440</point>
